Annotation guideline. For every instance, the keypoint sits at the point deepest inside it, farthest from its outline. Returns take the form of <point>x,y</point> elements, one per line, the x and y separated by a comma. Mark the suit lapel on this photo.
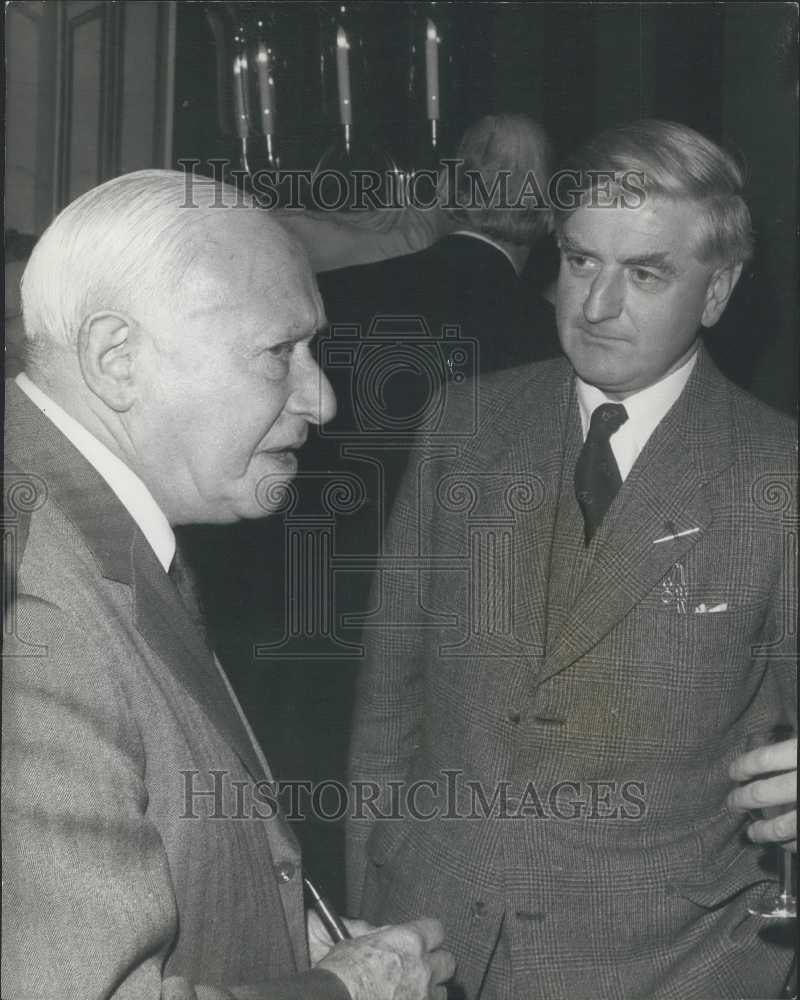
<point>529,469</point>
<point>664,496</point>
<point>567,539</point>
<point>532,535</point>
<point>123,554</point>
<point>164,622</point>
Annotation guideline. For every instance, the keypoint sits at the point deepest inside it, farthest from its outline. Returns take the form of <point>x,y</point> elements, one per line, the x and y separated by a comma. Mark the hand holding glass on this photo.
<point>774,793</point>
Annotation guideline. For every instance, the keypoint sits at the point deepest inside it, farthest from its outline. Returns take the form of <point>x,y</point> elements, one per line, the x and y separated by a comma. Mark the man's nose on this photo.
<point>312,395</point>
<point>606,297</point>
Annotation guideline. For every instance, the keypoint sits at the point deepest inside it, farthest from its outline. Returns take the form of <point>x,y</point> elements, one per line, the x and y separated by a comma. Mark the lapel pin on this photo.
<point>674,535</point>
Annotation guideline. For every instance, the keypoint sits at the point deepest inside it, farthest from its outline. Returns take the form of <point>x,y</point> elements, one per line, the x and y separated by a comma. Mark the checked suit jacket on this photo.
<point>558,721</point>
<point>121,878</point>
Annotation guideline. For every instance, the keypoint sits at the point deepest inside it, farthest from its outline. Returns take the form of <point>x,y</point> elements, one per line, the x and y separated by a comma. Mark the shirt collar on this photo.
<point>645,408</point>
<point>486,239</point>
<point>129,488</point>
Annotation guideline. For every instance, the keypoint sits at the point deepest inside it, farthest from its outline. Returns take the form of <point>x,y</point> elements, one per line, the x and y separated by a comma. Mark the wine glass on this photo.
<point>780,904</point>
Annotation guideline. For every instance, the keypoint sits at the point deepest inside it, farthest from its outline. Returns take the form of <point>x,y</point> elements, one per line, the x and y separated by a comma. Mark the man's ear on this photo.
<point>720,288</point>
<point>106,356</point>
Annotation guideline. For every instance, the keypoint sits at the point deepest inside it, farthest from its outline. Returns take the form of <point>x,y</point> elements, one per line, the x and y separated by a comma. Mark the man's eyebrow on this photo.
<point>657,259</point>
<point>565,243</point>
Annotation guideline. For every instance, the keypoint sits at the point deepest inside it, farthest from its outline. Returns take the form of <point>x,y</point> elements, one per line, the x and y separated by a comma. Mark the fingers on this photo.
<point>778,829</point>
<point>443,966</point>
<point>429,929</point>
<point>392,962</point>
<point>779,790</point>
<point>774,794</point>
<point>358,928</point>
<point>772,757</point>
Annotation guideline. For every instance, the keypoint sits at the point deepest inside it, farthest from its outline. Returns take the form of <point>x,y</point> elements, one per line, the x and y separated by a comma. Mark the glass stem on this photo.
<point>787,862</point>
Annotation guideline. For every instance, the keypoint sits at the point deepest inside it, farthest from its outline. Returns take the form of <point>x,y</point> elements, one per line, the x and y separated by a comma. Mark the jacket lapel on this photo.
<point>123,554</point>
<point>164,622</point>
<point>567,541</point>
<point>528,468</point>
<point>663,497</point>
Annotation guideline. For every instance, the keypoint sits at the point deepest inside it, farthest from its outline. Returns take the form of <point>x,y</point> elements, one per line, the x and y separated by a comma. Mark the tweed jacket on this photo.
<point>134,865</point>
<point>542,731</point>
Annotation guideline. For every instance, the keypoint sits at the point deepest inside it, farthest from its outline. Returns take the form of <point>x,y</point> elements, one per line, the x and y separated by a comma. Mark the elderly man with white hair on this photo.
<point>169,380</point>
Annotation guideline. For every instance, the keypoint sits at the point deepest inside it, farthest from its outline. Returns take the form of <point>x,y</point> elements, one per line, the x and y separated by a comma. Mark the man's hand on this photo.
<point>768,793</point>
<point>319,941</point>
<point>403,962</point>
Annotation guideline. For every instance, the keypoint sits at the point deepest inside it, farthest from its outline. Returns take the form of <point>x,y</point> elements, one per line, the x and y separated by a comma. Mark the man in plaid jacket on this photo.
<point>576,633</point>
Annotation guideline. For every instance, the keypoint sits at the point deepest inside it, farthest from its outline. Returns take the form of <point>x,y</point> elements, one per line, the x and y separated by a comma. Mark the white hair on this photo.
<point>118,247</point>
<point>510,144</point>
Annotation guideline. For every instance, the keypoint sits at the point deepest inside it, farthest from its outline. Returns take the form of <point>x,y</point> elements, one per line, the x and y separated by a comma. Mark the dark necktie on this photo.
<point>597,478</point>
<point>185,583</point>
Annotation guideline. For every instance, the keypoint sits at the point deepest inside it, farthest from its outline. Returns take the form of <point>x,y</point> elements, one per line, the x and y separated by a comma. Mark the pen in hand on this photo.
<point>335,927</point>
<point>333,923</point>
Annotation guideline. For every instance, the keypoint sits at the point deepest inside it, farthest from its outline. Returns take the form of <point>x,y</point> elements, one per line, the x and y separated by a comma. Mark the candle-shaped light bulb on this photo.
<point>239,95</point>
<point>432,70</point>
<point>266,89</point>
<point>343,77</point>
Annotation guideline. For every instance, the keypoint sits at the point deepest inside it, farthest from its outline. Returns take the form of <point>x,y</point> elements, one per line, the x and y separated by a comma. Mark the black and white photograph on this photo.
<point>400,525</point>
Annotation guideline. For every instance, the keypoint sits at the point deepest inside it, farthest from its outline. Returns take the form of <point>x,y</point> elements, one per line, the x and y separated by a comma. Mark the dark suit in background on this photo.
<point>462,280</point>
<point>476,317</point>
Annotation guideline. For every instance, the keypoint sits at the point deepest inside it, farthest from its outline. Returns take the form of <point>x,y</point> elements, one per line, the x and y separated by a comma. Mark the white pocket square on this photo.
<point>703,609</point>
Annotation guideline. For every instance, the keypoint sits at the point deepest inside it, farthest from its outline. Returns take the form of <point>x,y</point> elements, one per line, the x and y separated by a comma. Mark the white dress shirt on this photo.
<point>131,491</point>
<point>646,409</point>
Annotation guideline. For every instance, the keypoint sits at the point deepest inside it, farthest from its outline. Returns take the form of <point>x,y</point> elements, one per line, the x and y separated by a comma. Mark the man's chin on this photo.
<point>273,490</point>
<point>282,461</point>
<point>265,489</point>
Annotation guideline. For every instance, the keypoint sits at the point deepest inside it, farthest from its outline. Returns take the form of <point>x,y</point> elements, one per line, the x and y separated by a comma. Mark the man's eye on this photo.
<point>578,263</point>
<point>280,351</point>
<point>644,277</point>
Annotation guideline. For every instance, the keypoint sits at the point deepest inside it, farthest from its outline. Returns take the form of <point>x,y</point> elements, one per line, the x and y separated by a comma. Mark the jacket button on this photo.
<point>513,716</point>
<point>284,871</point>
<point>477,909</point>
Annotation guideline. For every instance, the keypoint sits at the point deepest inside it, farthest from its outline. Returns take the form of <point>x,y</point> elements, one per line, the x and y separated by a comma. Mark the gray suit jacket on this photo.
<point>121,878</point>
<point>591,698</point>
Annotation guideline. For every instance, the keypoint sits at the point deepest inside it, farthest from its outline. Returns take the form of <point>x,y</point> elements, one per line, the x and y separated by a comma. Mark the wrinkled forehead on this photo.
<point>245,259</point>
<point>655,224</point>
